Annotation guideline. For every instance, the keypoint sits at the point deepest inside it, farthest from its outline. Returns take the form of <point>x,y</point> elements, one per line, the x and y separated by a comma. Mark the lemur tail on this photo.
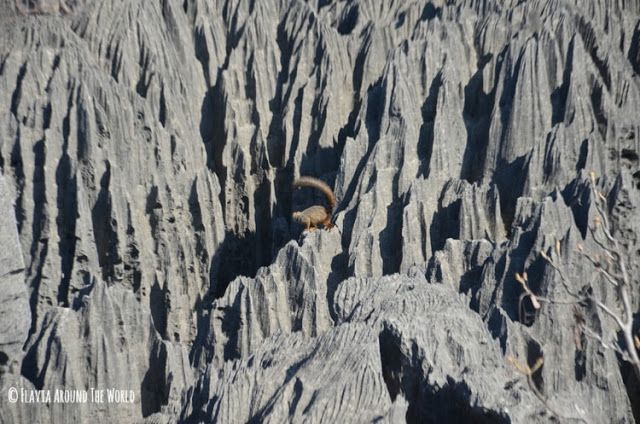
<point>320,185</point>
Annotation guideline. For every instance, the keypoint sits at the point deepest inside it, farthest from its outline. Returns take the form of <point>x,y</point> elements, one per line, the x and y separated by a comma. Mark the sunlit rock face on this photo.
<point>147,154</point>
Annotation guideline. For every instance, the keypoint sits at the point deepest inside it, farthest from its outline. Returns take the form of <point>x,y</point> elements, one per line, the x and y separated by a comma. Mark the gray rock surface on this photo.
<point>395,339</point>
<point>15,315</point>
<point>147,151</point>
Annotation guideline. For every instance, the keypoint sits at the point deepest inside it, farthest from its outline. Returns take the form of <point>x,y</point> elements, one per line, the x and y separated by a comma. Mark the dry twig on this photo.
<point>606,263</point>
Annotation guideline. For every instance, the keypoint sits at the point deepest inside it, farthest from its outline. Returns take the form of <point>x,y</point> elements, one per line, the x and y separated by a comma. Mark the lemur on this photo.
<point>315,215</point>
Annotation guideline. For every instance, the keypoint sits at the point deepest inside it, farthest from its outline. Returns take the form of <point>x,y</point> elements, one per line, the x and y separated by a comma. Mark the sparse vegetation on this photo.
<point>610,263</point>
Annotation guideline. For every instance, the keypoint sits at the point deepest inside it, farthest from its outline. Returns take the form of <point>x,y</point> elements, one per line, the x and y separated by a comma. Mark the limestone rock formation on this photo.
<point>147,151</point>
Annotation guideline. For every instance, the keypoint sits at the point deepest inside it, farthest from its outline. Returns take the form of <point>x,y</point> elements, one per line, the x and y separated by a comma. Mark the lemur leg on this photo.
<point>327,223</point>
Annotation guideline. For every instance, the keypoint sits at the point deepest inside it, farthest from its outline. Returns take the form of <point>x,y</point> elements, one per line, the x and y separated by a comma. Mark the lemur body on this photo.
<point>315,215</point>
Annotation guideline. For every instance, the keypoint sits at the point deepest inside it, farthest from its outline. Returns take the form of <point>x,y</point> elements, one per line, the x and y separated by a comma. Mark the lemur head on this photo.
<point>297,216</point>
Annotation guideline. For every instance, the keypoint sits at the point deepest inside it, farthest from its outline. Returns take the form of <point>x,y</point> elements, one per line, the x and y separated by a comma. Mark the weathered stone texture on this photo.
<point>147,151</point>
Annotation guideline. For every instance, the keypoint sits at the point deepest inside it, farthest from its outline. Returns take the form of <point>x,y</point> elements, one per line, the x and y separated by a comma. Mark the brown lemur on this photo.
<point>315,215</point>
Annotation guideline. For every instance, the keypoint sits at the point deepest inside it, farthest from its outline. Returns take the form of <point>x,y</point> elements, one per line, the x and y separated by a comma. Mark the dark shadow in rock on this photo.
<point>202,350</point>
<point>425,139</point>
<point>390,238</point>
<point>235,256</point>
<point>30,369</point>
<point>276,141</point>
<point>631,381</point>
<point>231,328</point>
<point>375,104</point>
<point>590,40</point>
<point>162,111</point>
<point>275,138</point>
<point>199,355</point>
<point>559,95</point>
<point>470,282</point>
<point>263,236</point>
<point>347,229</point>
<point>580,357</point>
<point>534,353</point>
<point>280,224</point>
<point>4,359</point>
<point>477,120</point>
<point>349,20</point>
<point>271,403</point>
<point>316,160</point>
<point>212,114</point>
<point>158,308</point>
<point>634,50</point>
<point>358,72</point>
<point>445,224</point>
<point>497,326</point>
<point>298,390</point>
<point>321,162</point>
<point>66,224</point>
<point>636,179</point>
<point>202,54</point>
<point>577,195</point>
<point>15,161</point>
<point>430,12</point>
<point>598,97</point>
<point>632,386</point>
<point>510,179</point>
<point>629,155</point>
<point>582,157</point>
<point>17,93</point>
<point>154,391</point>
<point>336,276</point>
<point>506,269</point>
<point>199,232</point>
<point>40,241</point>
<point>104,227</point>
<point>393,362</point>
<point>80,296</point>
<point>451,403</point>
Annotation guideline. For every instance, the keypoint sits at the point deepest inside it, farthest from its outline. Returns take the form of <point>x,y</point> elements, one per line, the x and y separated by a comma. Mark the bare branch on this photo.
<point>528,373</point>
<point>609,312</point>
<point>522,279</point>
<point>589,332</point>
<point>611,265</point>
<point>565,281</point>
<point>608,276</point>
<point>561,302</point>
